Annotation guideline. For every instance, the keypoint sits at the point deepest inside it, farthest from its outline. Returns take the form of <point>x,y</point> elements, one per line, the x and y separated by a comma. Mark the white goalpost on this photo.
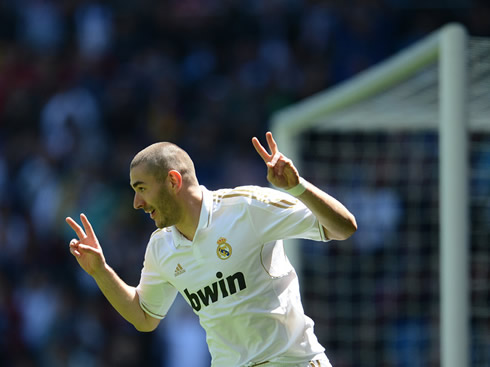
<point>454,208</point>
<point>427,89</point>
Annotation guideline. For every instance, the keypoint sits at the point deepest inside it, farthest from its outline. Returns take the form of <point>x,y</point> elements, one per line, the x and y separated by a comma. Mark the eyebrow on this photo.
<point>137,183</point>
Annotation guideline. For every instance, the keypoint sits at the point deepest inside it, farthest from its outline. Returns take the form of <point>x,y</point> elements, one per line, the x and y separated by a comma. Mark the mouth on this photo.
<point>151,212</point>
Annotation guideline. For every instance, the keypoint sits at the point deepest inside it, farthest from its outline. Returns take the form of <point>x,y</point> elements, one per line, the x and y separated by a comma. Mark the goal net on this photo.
<point>406,147</point>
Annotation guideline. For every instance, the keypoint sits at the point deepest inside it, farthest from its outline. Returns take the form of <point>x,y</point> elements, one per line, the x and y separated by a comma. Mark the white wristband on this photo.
<point>298,189</point>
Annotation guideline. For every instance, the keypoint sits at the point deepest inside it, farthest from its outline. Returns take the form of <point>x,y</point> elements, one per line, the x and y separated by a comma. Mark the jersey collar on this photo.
<point>206,209</point>
<point>204,219</point>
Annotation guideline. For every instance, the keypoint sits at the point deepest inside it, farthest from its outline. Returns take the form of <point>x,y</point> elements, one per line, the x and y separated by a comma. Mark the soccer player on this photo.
<point>223,251</point>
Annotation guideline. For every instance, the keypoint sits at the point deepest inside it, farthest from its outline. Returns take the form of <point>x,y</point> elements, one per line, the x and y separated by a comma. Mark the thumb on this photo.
<point>85,248</point>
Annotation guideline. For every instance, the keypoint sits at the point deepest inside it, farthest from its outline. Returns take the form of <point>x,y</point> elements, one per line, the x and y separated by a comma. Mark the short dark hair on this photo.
<point>162,157</point>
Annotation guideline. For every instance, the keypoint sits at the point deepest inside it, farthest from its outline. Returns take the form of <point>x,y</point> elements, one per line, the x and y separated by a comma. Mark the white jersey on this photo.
<point>237,278</point>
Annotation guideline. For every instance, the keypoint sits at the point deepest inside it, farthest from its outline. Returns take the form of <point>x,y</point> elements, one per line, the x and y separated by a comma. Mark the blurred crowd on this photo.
<point>86,84</point>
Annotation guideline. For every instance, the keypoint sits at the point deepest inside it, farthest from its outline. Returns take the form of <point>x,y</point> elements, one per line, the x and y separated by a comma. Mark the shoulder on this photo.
<point>159,249</point>
<point>159,240</point>
<point>160,233</point>
<point>254,196</point>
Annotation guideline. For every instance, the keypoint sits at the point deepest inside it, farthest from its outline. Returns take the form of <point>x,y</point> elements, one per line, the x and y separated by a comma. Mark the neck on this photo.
<point>192,200</point>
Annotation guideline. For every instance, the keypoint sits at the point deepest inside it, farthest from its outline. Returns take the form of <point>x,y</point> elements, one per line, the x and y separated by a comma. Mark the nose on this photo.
<point>138,202</point>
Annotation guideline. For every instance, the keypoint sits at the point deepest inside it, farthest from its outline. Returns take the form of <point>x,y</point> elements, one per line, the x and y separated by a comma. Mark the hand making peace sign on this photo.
<point>86,249</point>
<point>281,171</point>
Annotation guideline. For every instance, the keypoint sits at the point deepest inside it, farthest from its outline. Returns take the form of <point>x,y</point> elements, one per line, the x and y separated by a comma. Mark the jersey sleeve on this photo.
<point>156,295</point>
<point>282,216</point>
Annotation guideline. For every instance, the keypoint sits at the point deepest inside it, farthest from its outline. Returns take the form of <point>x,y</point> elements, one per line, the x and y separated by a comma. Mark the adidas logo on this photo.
<point>179,270</point>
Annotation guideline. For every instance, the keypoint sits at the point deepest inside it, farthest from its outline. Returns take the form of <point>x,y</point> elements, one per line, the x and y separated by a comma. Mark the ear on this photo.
<point>175,180</point>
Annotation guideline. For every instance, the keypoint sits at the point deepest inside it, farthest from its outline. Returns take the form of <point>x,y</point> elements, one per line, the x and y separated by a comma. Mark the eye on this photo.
<point>141,189</point>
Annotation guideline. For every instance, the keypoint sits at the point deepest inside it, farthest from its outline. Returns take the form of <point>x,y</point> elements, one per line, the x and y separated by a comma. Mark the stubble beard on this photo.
<point>168,211</point>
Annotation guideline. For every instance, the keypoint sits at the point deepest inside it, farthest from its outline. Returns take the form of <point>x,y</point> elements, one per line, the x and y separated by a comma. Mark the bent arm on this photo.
<point>338,223</point>
<point>124,299</point>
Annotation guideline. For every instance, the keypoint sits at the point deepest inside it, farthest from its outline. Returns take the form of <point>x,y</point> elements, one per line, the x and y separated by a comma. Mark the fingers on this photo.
<point>84,248</point>
<point>77,248</point>
<point>87,226</point>
<point>261,150</point>
<point>87,229</point>
<point>275,158</point>
<point>280,169</point>
<point>74,225</point>
<point>278,163</point>
<point>271,142</point>
<point>74,247</point>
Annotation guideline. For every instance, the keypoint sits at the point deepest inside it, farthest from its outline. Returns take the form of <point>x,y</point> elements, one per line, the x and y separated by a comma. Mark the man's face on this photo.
<point>153,196</point>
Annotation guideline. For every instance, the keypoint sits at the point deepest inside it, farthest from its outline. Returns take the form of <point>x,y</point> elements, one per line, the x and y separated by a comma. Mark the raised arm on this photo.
<point>338,222</point>
<point>122,297</point>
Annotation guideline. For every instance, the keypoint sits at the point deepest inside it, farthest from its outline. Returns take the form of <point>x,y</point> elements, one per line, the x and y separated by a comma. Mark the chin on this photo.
<point>161,225</point>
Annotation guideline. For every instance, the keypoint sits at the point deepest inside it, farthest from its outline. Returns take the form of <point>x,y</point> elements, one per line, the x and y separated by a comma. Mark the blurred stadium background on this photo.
<point>86,84</point>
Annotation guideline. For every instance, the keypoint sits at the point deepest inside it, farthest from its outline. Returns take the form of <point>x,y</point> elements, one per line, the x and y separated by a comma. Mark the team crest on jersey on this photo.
<point>224,249</point>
